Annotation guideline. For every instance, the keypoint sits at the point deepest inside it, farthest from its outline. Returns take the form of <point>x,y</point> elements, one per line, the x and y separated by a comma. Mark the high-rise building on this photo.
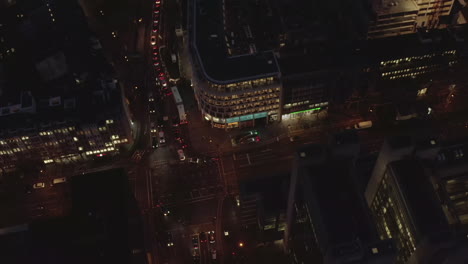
<point>327,210</point>
<point>450,177</point>
<point>235,84</point>
<point>59,99</point>
<point>400,17</point>
<point>416,195</point>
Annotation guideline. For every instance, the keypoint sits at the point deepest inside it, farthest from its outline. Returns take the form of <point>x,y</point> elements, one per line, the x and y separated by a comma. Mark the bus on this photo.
<point>180,105</point>
<point>176,94</point>
<point>182,115</point>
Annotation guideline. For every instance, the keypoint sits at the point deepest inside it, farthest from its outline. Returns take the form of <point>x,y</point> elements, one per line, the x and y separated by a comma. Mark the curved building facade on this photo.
<point>231,91</point>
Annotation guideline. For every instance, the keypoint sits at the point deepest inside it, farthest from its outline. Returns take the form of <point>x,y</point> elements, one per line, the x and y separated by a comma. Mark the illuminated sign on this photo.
<point>302,111</point>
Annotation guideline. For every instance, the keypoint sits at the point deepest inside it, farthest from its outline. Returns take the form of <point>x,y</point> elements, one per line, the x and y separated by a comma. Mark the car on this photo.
<point>194,160</point>
<point>161,74</point>
<point>153,40</point>
<point>181,154</point>
<point>162,139</point>
<point>150,97</point>
<point>155,29</point>
<point>164,210</point>
<point>164,83</point>
<point>28,189</point>
<point>170,242</point>
<point>239,137</point>
<point>152,109</point>
<point>155,51</point>
<point>203,238</point>
<point>177,136</point>
<point>195,241</point>
<point>40,207</point>
<point>156,21</point>
<point>154,142</point>
<point>157,2</point>
<point>250,139</point>
<point>39,185</point>
<point>156,63</point>
<point>181,145</point>
<point>211,237</point>
<point>156,11</point>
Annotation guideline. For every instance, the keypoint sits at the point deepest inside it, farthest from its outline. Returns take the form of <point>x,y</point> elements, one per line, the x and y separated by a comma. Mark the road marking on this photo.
<point>248,158</point>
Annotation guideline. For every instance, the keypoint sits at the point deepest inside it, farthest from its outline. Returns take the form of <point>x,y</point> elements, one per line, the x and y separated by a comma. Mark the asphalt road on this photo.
<point>193,193</point>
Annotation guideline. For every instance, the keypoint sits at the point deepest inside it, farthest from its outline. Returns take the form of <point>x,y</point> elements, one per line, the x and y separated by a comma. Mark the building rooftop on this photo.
<point>382,7</point>
<point>420,197</point>
<point>409,45</point>
<point>342,211</point>
<point>67,79</point>
<point>209,43</point>
<point>98,229</point>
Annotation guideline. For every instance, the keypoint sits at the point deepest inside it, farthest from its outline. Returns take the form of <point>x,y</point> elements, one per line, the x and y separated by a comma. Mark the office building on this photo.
<point>60,101</point>
<point>411,56</point>
<point>401,17</point>
<point>326,209</point>
<point>235,85</point>
<point>416,195</point>
<point>449,175</point>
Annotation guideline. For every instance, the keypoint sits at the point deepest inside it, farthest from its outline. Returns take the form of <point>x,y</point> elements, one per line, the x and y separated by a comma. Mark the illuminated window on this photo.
<point>80,148</point>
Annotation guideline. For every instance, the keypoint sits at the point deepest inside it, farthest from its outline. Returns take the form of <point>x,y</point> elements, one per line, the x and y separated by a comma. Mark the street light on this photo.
<point>241,244</point>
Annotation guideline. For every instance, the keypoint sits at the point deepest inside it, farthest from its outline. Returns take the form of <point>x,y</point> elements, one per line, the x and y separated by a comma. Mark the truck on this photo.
<point>363,125</point>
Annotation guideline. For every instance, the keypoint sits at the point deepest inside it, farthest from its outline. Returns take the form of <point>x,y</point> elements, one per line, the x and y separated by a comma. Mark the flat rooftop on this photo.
<point>341,209</point>
<point>54,65</point>
<point>420,197</point>
<point>209,45</point>
<point>382,7</point>
<point>410,45</point>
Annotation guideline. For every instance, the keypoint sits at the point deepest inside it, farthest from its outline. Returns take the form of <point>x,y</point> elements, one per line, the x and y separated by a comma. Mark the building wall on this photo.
<point>229,105</point>
<point>413,66</point>
<point>392,217</point>
<point>63,142</point>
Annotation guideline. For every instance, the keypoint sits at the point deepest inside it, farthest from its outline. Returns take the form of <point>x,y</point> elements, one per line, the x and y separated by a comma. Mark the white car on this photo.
<point>153,40</point>
<point>39,185</point>
<point>181,154</point>
<point>194,160</point>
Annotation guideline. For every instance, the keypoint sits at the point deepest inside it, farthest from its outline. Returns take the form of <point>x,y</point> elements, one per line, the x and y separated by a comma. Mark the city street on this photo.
<point>186,184</point>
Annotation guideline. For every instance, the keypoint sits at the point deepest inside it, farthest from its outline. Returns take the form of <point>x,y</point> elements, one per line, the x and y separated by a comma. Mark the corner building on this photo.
<point>231,90</point>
